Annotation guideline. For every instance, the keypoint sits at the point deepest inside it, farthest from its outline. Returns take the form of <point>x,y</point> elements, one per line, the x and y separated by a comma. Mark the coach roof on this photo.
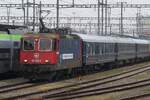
<point>110,39</point>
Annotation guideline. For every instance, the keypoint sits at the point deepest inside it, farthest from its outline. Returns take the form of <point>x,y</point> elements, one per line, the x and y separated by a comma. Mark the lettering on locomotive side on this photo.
<point>67,56</point>
<point>36,55</point>
<point>36,61</point>
<point>36,58</point>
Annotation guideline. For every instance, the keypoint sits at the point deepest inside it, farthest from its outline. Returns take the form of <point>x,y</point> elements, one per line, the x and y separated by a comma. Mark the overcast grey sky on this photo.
<point>77,1</point>
<point>85,12</point>
<point>73,12</point>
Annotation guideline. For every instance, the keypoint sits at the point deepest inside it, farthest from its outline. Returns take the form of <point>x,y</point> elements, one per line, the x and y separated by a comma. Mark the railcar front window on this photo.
<point>28,44</point>
<point>46,45</point>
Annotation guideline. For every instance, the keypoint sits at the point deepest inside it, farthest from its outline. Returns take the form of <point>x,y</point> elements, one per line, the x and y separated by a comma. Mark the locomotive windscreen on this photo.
<point>28,44</point>
<point>46,44</point>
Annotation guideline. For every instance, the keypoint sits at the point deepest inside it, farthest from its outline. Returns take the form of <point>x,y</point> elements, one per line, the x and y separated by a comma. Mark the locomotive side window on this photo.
<point>28,44</point>
<point>46,45</point>
<point>16,44</point>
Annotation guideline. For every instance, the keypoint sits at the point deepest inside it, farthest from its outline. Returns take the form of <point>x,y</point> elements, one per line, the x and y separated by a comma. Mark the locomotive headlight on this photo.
<point>46,61</point>
<point>36,40</point>
<point>57,53</point>
<point>25,60</point>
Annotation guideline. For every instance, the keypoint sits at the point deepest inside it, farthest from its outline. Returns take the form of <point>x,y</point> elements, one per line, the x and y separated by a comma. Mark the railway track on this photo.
<point>12,83</point>
<point>99,91</point>
<point>19,86</point>
<point>84,86</point>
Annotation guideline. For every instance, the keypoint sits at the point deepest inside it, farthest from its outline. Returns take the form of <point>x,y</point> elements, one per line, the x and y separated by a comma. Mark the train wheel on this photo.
<point>87,69</point>
<point>59,75</point>
<point>51,76</point>
<point>97,67</point>
<point>32,78</point>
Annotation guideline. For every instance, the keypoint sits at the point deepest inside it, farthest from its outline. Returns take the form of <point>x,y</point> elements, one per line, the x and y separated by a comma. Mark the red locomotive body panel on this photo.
<point>38,49</point>
<point>38,57</point>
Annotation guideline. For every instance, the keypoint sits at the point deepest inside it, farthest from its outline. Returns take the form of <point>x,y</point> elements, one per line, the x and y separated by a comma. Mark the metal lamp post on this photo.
<point>57,12</point>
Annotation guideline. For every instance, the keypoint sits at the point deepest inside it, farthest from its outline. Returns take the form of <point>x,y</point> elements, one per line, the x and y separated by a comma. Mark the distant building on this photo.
<point>146,25</point>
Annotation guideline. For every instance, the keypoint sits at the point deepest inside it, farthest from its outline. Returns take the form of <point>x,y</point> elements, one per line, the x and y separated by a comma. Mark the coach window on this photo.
<point>28,44</point>
<point>91,49</point>
<point>107,48</point>
<point>87,48</point>
<point>97,48</point>
<point>45,44</point>
<point>111,48</point>
<point>100,48</point>
<point>16,44</point>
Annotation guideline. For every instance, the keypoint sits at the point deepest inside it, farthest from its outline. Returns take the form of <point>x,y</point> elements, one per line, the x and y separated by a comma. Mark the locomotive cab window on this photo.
<point>28,44</point>
<point>46,45</point>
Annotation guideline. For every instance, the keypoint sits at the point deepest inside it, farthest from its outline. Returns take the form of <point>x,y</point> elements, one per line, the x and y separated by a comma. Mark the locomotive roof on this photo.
<point>50,35</point>
<point>110,39</point>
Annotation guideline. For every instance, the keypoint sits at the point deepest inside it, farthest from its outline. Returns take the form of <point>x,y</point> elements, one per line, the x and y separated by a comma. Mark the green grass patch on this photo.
<point>144,75</point>
<point>147,90</point>
<point>105,97</point>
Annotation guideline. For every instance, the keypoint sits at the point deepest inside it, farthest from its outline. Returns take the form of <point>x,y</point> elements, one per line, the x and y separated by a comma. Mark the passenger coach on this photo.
<point>105,49</point>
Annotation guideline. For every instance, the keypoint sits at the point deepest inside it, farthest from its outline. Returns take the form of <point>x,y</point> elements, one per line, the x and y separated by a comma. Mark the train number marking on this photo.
<point>36,55</point>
